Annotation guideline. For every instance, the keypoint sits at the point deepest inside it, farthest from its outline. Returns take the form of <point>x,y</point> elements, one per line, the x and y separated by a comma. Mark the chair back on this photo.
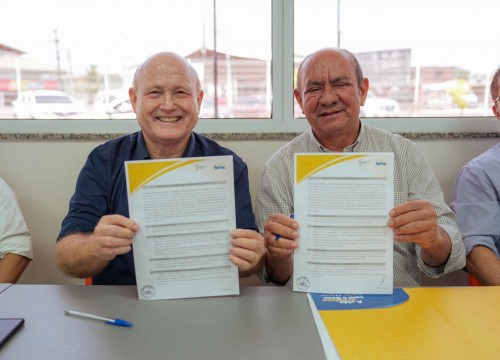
<point>472,281</point>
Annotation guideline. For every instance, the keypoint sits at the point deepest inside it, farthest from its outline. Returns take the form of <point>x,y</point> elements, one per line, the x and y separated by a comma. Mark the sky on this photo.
<point>439,32</point>
<point>116,34</point>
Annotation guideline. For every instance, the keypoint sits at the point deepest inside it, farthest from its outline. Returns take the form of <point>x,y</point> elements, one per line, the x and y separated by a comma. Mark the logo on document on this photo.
<point>219,167</point>
<point>303,283</point>
<point>148,291</point>
<point>363,162</point>
<point>199,167</point>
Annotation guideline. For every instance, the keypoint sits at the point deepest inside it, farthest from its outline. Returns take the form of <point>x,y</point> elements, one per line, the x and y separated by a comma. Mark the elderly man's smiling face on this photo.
<point>330,96</point>
<point>166,98</point>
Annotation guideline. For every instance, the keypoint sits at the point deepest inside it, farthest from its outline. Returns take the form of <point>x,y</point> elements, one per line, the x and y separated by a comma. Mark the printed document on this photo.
<point>185,210</point>
<point>342,201</point>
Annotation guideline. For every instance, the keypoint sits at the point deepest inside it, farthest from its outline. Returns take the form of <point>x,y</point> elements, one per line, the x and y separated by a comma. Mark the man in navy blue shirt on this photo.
<point>96,234</point>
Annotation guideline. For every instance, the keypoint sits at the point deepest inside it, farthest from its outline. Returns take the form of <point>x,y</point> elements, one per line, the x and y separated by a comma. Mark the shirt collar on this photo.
<point>190,150</point>
<point>142,150</point>
<point>350,148</point>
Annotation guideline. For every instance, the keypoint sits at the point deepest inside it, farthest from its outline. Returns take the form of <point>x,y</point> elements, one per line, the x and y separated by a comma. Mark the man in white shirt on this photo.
<point>330,91</point>
<point>15,241</point>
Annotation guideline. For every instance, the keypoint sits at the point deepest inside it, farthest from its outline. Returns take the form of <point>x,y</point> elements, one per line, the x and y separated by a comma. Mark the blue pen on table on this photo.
<point>277,237</point>
<point>115,322</point>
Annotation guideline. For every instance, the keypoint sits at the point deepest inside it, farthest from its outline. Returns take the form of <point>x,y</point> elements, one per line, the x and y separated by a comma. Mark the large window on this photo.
<point>88,51</point>
<point>425,59</point>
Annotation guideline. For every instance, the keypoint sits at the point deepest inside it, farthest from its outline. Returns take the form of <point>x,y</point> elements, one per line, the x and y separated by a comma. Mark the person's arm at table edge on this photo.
<point>83,255</point>
<point>12,266</point>
<point>74,256</point>
<point>484,265</point>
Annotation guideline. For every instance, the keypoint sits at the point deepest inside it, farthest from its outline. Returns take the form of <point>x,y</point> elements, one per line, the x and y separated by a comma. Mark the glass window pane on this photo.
<point>242,62</point>
<point>89,51</point>
<point>422,57</point>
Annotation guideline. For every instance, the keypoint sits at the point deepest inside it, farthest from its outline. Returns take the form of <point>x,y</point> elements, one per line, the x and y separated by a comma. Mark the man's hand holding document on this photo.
<point>342,201</point>
<point>185,209</point>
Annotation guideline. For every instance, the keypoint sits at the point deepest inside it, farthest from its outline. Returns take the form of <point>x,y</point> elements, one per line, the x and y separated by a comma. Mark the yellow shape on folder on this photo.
<point>435,323</point>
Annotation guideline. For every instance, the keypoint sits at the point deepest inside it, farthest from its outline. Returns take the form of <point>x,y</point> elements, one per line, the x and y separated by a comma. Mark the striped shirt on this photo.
<point>413,180</point>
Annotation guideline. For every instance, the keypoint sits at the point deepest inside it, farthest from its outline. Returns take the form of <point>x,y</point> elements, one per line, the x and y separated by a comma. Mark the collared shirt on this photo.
<point>101,190</point>
<point>476,201</point>
<point>14,235</point>
<point>413,180</point>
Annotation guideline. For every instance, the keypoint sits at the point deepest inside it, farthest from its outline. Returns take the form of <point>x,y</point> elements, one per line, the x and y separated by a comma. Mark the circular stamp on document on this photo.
<point>148,291</point>
<point>303,283</point>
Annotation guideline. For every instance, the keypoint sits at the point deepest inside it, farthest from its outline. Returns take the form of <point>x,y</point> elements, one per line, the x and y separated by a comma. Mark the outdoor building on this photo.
<point>240,84</point>
<point>18,73</point>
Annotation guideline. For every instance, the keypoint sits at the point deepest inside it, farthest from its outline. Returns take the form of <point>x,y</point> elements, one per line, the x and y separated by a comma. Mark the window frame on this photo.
<point>282,118</point>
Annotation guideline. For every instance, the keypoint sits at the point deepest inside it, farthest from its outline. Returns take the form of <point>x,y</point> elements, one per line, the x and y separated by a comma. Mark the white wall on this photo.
<point>43,174</point>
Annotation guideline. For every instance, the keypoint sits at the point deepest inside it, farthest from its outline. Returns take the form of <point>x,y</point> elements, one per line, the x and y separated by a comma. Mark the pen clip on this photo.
<point>119,322</point>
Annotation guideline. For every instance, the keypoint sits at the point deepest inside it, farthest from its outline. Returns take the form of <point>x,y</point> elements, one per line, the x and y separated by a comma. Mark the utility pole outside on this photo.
<point>338,23</point>
<point>58,60</point>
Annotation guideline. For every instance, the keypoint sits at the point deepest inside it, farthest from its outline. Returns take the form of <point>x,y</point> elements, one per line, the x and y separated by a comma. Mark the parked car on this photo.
<point>105,100</point>
<point>121,109</point>
<point>376,106</point>
<point>112,104</point>
<point>46,104</point>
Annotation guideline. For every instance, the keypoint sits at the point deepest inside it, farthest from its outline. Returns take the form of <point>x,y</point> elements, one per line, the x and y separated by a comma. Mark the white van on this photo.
<point>46,104</point>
